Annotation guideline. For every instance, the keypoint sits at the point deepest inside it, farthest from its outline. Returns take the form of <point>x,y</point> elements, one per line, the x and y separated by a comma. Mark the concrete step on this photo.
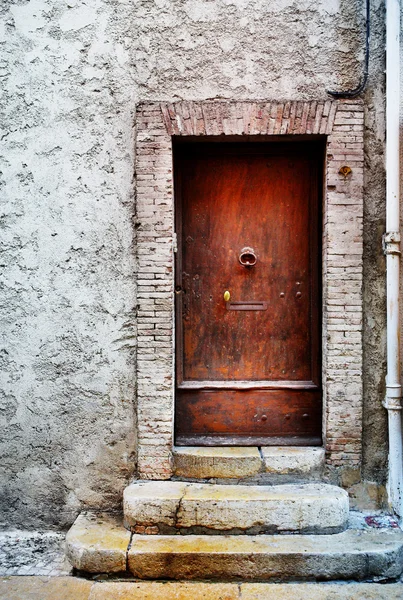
<point>267,463</point>
<point>98,543</point>
<point>169,507</point>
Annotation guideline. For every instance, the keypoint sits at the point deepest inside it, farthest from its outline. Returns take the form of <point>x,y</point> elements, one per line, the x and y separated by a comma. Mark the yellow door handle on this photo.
<point>227,296</point>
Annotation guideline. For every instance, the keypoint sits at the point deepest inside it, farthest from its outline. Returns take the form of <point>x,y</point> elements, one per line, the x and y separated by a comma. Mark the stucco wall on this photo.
<point>72,73</point>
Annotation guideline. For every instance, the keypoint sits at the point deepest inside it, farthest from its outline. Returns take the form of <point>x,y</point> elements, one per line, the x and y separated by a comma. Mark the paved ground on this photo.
<point>70,588</point>
<point>32,553</point>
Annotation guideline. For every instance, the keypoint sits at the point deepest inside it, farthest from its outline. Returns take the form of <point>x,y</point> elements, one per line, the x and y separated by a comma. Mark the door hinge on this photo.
<point>175,243</point>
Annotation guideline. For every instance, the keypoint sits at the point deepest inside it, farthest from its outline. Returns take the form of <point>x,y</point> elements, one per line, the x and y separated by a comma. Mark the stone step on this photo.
<point>168,507</point>
<point>268,463</point>
<point>98,543</point>
<point>348,555</point>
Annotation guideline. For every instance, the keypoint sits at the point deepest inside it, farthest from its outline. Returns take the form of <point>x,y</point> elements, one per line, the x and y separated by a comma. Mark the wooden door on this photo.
<point>248,225</point>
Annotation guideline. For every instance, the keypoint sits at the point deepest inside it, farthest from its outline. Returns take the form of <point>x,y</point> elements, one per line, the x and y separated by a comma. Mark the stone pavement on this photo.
<point>71,588</point>
<point>33,553</point>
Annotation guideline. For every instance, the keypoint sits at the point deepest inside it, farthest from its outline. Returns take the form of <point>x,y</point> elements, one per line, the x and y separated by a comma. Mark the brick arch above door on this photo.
<point>342,122</point>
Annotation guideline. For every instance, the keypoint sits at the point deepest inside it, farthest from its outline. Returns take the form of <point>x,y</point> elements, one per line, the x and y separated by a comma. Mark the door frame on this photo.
<point>341,124</point>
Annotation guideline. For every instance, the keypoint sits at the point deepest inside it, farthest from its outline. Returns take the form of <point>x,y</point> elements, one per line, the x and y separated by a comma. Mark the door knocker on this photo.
<point>247,258</point>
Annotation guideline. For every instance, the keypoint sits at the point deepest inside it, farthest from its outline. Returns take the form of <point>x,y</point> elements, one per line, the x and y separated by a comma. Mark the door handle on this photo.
<point>227,296</point>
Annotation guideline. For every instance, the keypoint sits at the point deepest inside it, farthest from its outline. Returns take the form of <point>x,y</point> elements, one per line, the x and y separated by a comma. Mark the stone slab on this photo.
<point>211,508</point>
<point>292,461</point>
<point>69,588</point>
<point>97,543</point>
<point>44,588</point>
<point>358,555</point>
<point>317,591</point>
<point>165,591</point>
<point>199,462</point>
<point>149,503</point>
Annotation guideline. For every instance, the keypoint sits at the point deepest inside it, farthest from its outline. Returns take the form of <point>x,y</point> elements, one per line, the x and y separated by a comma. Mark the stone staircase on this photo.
<point>247,529</point>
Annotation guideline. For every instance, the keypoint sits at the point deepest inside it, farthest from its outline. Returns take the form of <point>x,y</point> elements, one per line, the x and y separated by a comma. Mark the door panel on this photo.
<point>248,225</point>
<point>250,414</point>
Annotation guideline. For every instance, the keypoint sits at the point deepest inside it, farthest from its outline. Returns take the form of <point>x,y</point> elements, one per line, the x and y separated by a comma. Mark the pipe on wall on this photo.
<point>392,250</point>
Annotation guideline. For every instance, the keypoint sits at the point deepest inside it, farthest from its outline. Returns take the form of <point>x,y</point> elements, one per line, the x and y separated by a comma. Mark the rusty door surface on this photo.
<point>247,289</point>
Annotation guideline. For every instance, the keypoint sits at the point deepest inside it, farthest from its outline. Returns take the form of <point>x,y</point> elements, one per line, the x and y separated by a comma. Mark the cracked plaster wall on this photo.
<point>72,72</point>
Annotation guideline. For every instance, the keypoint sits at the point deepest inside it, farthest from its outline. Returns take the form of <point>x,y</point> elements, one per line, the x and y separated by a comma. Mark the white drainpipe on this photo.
<point>392,251</point>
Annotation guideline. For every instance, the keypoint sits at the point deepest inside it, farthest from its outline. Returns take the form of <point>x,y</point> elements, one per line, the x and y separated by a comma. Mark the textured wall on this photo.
<point>374,331</point>
<point>68,299</point>
<point>72,72</point>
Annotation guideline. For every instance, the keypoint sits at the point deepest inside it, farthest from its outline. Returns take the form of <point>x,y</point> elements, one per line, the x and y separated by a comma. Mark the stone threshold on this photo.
<point>242,462</point>
<point>98,543</point>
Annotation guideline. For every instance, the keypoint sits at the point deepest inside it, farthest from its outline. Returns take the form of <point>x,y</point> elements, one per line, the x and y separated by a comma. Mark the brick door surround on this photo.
<point>342,122</point>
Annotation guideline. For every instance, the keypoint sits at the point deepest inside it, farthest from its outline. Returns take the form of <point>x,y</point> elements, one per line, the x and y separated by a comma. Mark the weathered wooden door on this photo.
<point>248,294</point>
